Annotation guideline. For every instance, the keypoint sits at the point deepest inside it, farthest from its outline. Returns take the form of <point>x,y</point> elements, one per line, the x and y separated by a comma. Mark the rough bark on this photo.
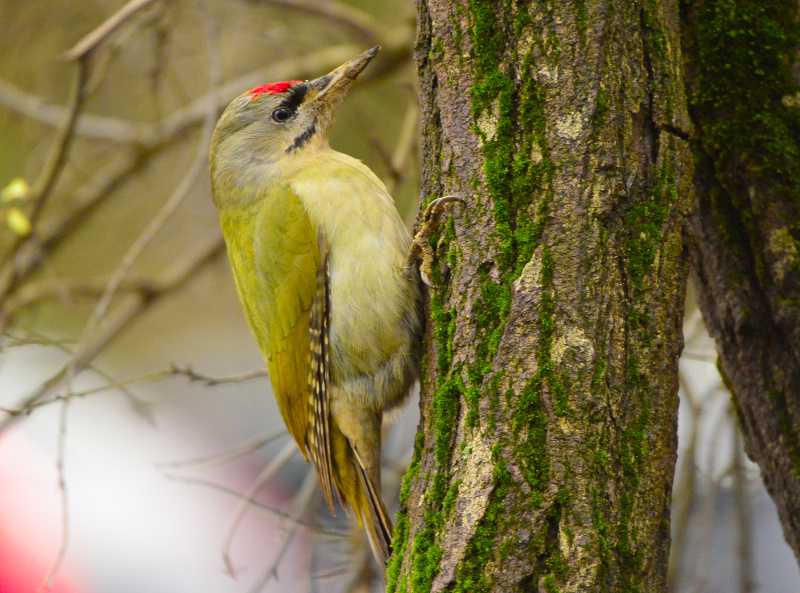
<point>742,77</point>
<point>547,443</point>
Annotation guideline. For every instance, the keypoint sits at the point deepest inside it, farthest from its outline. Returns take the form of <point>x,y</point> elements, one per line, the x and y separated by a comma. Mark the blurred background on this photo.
<point>140,448</point>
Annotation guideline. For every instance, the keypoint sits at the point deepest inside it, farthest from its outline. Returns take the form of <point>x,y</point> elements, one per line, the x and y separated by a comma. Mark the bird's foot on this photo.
<point>421,249</point>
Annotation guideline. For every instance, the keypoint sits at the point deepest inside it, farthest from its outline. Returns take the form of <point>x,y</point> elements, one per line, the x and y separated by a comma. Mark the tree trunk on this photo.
<point>547,443</point>
<point>742,76</point>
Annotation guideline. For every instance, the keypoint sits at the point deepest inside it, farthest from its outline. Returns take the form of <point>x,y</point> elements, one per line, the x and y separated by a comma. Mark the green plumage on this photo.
<point>318,250</point>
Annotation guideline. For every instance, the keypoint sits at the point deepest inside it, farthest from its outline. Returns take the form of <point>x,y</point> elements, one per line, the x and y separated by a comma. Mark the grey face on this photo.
<point>271,119</point>
<point>283,118</point>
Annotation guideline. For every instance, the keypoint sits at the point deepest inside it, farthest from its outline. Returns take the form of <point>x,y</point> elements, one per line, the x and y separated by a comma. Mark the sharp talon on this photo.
<point>421,249</point>
<point>426,279</point>
<point>441,202</point>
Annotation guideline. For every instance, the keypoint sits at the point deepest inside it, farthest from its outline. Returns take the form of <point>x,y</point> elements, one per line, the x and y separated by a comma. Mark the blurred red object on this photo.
<point>30,520</point>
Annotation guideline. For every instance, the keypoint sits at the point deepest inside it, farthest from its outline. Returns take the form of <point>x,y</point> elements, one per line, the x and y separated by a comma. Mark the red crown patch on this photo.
<point>272,88</point>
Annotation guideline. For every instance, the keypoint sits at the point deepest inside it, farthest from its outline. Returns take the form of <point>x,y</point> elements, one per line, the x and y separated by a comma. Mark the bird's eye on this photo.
<point>281,114</point>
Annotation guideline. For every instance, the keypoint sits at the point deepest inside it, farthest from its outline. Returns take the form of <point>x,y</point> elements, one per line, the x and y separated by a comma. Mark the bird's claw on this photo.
<point>421,249</point>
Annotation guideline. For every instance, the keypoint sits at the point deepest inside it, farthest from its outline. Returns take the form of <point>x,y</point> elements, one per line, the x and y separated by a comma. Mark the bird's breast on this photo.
<point>371,297</point>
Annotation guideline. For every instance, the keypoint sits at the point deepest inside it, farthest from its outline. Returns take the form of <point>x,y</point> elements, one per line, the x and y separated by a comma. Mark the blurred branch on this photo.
<point>298,508</point>
<point>359,23</point>
<point>71,289</point>
<point>211,381</point>
<point>225,456</point>
<point>683,498</point>
<point>361,575</point>
<point>89,43</point>
<point>169,208</point>
<point>394,55</point>
<point>184,271</point>
<point>41,190</point>
<point>397,164</point>
<point>95,126</point>
<point>62,489</point>
<point>257,505</point>
<point>744,520</point>
<point>269,471</point>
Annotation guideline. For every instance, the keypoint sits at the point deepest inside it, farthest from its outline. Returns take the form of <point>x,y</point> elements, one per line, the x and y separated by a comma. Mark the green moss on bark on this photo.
<point>746,132</point>
<point>747,149</point>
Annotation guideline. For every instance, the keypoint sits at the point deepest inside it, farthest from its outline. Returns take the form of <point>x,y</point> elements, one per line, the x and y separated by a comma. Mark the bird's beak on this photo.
<point>337,82</point>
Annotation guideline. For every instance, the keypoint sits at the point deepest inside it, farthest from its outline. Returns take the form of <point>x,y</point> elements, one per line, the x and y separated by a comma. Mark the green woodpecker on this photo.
<point>318,251</point>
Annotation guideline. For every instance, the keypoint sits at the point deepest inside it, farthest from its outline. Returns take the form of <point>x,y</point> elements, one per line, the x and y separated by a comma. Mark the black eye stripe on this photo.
<point>295,96</point>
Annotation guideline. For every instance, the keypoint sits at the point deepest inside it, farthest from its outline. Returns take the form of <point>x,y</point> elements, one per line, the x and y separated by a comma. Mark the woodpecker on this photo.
<point>319,255</point>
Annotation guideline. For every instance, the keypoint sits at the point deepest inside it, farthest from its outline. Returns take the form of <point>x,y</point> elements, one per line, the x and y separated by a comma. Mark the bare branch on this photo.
<point>71,289</point>
<point>44,185</point>
<point>284,517</point>
<point>62,488</point>
<point>298,509</point>
<point>359,23</point>
<point>744,519</point>
<point>225,456</point>
<point>211,381</point>
<point>41,190</point>
<point>169,208</point>
<point>86,45</point>
<point>96,126</point>
<point>269,471</point>
<point>133,306</point>
<point>394,55</point>
<point>408,139</point>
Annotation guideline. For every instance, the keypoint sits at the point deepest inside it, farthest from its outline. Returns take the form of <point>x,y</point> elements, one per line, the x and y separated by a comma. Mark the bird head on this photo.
<point>281,119</point>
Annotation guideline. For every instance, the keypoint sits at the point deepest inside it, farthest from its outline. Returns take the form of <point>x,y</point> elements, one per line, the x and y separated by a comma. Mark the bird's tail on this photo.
<point>359,485</point>
<point>376,519</point>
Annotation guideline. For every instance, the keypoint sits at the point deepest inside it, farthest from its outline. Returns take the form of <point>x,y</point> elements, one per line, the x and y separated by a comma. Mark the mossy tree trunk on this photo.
<point>743,81</point>
<point>549,404</point>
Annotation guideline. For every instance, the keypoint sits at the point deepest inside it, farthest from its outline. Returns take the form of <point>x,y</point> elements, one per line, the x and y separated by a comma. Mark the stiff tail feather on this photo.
<point>377,523</point>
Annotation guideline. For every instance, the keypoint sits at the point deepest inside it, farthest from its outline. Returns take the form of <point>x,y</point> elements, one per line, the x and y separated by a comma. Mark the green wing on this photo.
<point>291,269</point>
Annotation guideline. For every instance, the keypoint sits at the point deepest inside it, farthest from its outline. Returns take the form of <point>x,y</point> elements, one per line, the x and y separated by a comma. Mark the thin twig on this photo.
<point>116,385</point>
<point>185,271</point>
<point>210,381</point>
<point>229,491</point>
<point>283,517</point>
<point>397,164</point>
<point>141,408</point>
<point>297,509</point>
<point>62,488</point>
<point>269,471</point>
<point>227,455</point>
<point>683,497</point>
<point>360,24</point>
<point>90,42</point>
<point>41,190</point>
<point>744,520</point>
<point>169,208</point>
<point>394,55</point>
